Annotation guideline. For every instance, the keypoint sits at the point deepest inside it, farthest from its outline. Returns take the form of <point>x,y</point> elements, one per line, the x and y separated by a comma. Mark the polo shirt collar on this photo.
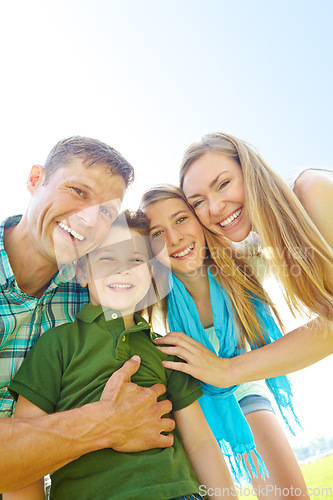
<point>89,313</point>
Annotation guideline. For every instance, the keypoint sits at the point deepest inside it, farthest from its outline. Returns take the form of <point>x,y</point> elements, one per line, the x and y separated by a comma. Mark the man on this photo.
<point>74,199</point>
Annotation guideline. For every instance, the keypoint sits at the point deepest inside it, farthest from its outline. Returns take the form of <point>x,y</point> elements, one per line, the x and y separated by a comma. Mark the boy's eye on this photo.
<point>106,259</point>
<point>106,212</point>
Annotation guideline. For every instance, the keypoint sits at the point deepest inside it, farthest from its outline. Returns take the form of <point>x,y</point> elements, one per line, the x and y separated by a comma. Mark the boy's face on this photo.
<point>118,271</point>
<point>70,214</point>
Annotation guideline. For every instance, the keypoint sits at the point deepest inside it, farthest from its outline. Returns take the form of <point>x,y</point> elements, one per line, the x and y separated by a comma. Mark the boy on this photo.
<point>71,364</point>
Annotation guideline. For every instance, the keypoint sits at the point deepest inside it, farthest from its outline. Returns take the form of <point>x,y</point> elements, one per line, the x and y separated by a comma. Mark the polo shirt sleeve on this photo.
<point>182,389</point>
<point>39,377</point>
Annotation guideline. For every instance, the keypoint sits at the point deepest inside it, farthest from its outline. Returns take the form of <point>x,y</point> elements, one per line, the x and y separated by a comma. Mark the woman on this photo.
<point>214,298</point>
<point>233,191</point>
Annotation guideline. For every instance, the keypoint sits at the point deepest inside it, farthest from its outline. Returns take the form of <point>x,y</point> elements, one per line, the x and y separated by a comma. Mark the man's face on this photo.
<point>71,213</point>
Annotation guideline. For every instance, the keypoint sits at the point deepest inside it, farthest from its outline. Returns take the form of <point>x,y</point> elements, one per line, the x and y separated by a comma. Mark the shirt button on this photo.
<point>124,338</point>
<point>114,315</point>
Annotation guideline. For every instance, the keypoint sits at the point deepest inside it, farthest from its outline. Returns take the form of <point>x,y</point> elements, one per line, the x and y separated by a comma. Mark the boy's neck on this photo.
<point>128,320</point>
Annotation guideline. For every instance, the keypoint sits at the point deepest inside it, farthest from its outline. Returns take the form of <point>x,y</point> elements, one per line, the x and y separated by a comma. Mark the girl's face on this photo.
<point>119,271</point>
<point>214,186</point>
<point>173,222</point>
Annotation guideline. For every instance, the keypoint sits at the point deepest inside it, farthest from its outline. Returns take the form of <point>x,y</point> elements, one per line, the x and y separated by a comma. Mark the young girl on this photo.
<point>70,365</point>
<point>233,191</point>
<point>215,301</point>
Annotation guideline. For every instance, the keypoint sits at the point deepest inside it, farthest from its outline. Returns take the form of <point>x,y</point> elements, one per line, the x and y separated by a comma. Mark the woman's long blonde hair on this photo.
<point>300,257</point>
<point>231,272</point>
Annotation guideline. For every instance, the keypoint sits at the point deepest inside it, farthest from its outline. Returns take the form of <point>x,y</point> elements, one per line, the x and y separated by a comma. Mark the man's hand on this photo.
<point>135,417</point>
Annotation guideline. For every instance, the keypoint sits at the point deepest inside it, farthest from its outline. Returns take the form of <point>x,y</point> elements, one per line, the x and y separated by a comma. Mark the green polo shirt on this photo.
<point>69,367</point>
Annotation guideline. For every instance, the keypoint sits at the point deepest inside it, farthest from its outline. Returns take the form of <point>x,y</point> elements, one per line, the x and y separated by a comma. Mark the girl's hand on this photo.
<point>200,362</point>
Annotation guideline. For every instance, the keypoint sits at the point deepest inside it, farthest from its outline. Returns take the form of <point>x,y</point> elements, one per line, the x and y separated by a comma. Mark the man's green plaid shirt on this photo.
<point>23,318</point>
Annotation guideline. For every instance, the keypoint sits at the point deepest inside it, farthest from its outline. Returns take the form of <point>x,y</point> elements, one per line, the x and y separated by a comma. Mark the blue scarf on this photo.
<point>220,406</point>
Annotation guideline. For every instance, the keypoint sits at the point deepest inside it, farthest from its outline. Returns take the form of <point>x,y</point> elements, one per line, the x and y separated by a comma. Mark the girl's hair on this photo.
<point>236,277</point>
<point>300,256</point>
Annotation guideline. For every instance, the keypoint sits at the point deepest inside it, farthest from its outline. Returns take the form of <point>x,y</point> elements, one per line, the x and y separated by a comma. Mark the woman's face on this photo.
<point>214,186</point>
<point>173,222</point>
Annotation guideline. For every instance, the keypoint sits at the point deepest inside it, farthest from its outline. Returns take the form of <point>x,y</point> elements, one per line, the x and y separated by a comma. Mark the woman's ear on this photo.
<point>81,271</point>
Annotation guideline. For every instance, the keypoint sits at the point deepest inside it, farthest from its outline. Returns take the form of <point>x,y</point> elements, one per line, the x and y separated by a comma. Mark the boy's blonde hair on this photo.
<point>300,256</point>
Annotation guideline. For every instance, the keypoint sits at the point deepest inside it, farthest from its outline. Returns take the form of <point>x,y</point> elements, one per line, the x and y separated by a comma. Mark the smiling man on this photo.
<point>74,199</point>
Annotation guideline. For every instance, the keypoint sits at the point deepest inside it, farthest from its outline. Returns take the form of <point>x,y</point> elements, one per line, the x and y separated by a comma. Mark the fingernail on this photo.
<point>136,357</point>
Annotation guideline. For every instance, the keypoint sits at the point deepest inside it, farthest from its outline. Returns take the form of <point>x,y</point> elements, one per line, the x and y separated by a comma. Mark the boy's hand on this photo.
<point>134,415</point>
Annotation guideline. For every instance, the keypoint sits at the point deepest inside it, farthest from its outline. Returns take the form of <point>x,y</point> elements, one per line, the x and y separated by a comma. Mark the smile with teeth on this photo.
<point>71,231</point>
<point>122,287</point>
<point>230,220</point>
<point>184,252</point>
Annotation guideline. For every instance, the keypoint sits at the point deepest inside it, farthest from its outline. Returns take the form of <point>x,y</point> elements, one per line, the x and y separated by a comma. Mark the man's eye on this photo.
<point>181,219</point>
<point>106,259</point>
<point>78,191</point>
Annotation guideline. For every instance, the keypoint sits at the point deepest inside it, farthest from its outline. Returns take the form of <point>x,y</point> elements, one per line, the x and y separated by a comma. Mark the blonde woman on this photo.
<point>233,191</point>
<point>214,299</point>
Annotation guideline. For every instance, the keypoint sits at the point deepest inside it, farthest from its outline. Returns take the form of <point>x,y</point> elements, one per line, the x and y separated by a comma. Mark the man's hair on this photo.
<point>91,152</point>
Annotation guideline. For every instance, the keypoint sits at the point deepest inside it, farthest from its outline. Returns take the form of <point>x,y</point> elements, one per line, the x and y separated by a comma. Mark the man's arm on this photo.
<point>203,451</point>
<point>127,418</point>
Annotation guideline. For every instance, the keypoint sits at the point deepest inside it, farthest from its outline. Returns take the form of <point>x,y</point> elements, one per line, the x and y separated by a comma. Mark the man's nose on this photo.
<point>89,215</point>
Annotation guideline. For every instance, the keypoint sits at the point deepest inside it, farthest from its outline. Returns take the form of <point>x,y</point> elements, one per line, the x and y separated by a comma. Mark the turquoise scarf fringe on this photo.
<point>220,406</point>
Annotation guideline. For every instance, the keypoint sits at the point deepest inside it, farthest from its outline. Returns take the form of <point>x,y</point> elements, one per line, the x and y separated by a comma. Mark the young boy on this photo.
<point>70,365</point>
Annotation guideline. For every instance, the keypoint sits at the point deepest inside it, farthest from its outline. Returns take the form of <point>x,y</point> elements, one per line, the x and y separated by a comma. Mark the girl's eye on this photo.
<point>181,219</point>
<point>156,234</point>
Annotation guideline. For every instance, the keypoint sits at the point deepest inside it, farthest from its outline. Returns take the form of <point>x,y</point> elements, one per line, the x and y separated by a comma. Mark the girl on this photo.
<point>216,300</point>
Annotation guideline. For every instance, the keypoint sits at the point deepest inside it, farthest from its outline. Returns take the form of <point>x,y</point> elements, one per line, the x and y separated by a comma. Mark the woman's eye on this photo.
<point>106,259</point>
<point>223,184</point>
<point>196,204</point>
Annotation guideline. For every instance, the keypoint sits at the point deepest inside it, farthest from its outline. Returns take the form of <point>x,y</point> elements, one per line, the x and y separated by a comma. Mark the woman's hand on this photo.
<point>200,362</point>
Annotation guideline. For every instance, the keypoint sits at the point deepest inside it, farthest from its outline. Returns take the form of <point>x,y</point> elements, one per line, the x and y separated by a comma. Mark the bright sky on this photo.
<point>151,76</point>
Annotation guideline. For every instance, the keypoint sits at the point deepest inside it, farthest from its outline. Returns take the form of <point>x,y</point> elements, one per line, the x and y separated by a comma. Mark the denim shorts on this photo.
<point>253,403</point>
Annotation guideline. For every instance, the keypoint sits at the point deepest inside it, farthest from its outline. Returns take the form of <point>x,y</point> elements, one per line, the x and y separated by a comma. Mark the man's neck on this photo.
<point>32,271</point>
